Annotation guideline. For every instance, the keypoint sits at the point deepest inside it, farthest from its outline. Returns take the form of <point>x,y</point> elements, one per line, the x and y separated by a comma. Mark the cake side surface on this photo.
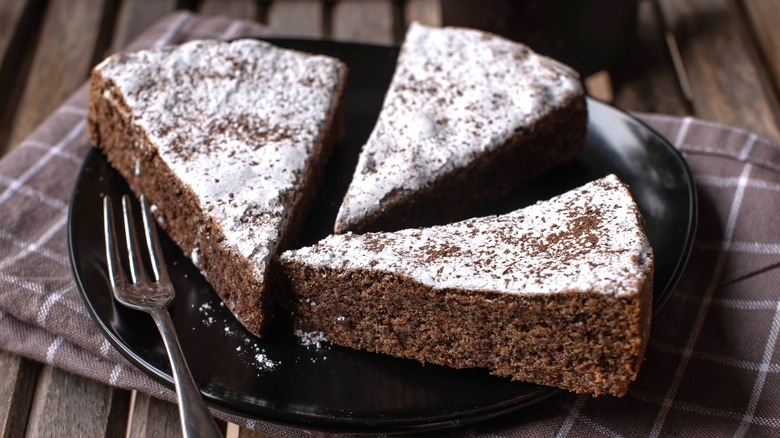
<point>558,341</point>
<point>558,293</point>
<point>463,105</point>
<point>226,140</point>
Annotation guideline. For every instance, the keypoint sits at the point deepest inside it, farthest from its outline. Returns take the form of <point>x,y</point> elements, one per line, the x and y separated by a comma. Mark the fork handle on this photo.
<point>196,421</point>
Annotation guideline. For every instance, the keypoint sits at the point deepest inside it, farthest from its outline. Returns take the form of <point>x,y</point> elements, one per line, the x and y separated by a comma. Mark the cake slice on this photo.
<point>558,293</point>
<point>468,116</point>
<point>228,141</point>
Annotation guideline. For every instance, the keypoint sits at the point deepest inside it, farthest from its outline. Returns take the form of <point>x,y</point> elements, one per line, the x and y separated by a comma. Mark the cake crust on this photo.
<point>468,116</point>
<point>558,293</point>
<point>228,142</point>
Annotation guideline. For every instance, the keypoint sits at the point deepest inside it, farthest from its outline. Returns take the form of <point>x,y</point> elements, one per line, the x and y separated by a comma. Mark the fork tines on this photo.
<point>138,275</point>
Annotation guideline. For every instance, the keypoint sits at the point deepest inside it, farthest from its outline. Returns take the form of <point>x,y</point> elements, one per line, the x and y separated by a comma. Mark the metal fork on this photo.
<point>153,297</point>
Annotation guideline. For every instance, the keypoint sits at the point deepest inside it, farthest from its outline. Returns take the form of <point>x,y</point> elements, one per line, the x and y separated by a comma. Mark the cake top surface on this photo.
<point>235,121</point>
<point>456,94</point>
<point>587,239</point>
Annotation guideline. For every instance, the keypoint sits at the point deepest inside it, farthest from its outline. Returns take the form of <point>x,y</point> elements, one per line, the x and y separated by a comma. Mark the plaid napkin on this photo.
<point>711,369</point>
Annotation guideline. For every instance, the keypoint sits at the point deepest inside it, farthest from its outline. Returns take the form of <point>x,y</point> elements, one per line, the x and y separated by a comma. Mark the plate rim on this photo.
<point>693,202</point>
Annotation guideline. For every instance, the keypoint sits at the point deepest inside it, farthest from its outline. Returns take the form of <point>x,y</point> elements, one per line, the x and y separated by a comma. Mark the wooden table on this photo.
<point>714,59</point>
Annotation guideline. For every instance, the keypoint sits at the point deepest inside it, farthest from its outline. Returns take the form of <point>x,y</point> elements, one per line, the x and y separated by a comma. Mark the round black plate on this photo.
<point>334,388</point>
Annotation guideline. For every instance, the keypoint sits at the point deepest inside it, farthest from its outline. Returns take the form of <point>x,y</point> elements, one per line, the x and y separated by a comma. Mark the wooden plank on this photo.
<point>728,83</point>
<point>135,16</point>
<point>70,40</point>
<point>152,418</point>
<point>423,11</point>
<point>19,26</point>
<point>18,378</point>
<point>764,16</point>
<point>248,433</point>
<point>69,405</point>
<point>645,80</point>
<point>599,85</point>
<point>369,21</point>
<point>10,17</point>
<point>299,18</point>
<point>246,9</point>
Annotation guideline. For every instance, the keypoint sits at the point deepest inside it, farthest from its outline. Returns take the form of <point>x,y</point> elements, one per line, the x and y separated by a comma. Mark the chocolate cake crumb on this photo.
<point>467,117</point>
<point>558,293</point>
<point>231,139</point>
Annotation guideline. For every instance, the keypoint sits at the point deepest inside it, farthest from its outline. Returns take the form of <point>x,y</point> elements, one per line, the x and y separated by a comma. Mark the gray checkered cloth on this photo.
<point>712,367</point>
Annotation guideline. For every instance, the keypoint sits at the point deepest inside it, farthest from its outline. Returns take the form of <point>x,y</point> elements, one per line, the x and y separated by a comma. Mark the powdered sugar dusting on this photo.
<point>588,239</point>
<point>236,122</point>
<point>250,351</point>
<point>265,362</point>
<point>456,94</point>
<point>314,340</point>
<point>195,257</point>
<point>207,311</point>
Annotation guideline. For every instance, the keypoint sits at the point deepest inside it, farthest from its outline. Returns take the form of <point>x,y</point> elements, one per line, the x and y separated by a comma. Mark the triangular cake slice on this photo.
<point>558,293</point>
<point>227,140</point>
<point>468,116</point>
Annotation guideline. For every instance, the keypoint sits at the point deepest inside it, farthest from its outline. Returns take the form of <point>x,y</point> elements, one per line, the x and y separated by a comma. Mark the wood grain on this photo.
<point>10,17</point>
<point>599,85</point>
<point>244,9</point>
<point>69,405</point>
<point>764,16</point>
<point>18,378</point>
<point>152,418</point>
<point>645,79</point>
<point>69,41</point>
<point>19,26</point>
<point>369,21</point>
<point>423,11</point>
<point>301,18</point>
<point>728,83</point>
<point>135,16</point>
<point>247,433</point>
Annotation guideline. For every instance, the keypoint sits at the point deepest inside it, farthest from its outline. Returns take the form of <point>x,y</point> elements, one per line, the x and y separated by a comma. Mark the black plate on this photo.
<point>333,388</point>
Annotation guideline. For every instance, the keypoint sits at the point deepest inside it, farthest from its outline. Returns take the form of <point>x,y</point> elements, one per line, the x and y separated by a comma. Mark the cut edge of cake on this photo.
<point>132,145</point>
<point>403,293</point>
<point>468,116</point>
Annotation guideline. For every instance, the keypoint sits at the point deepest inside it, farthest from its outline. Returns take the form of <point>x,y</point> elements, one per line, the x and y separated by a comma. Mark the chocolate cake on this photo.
<point>468,116</point>
<point>558,293</point>
<point>228,141</point>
